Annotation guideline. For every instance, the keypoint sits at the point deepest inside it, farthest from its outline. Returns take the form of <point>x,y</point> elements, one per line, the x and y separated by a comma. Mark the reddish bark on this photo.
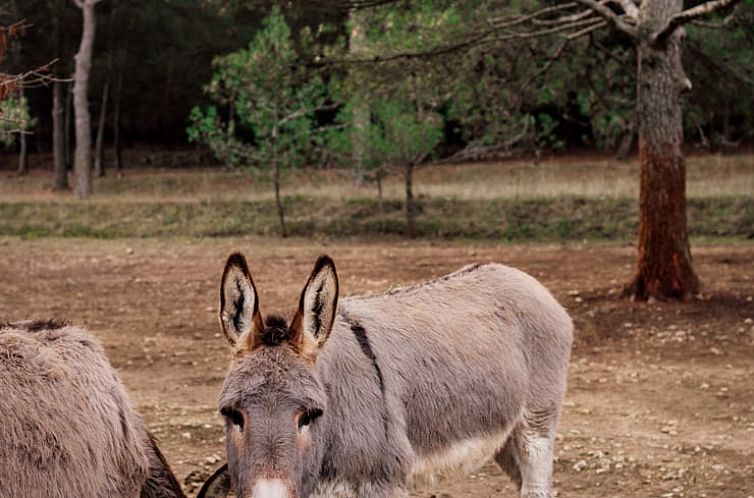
<point>664,259</point>
<point>665,269</point>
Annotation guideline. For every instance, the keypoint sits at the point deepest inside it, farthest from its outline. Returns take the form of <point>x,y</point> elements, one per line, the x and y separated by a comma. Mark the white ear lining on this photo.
<point>318,305</point>
<point>238,301</point>
<point>317,308</point>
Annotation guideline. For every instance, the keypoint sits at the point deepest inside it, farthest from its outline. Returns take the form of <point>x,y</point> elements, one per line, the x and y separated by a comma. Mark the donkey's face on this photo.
<point>273,401</point>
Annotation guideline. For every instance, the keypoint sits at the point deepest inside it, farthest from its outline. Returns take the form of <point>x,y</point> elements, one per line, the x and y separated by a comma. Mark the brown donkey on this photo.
<point>363,397</point>
<point>67,428</point>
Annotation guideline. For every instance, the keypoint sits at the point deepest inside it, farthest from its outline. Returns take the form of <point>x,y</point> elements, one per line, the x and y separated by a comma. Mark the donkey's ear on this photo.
<point>217,485</point>
<point>239,305</point>
<point>316,309</point>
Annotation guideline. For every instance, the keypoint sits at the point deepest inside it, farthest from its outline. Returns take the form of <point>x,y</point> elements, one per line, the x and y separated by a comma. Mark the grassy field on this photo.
<point>562,199</point>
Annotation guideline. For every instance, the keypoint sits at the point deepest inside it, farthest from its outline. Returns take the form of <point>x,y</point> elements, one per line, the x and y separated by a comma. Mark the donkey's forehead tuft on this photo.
<point>276,331</point>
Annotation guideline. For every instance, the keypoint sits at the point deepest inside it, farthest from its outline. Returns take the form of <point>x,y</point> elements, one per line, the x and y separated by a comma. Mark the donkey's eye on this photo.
<point>234,416</point>
<point>308,417</point>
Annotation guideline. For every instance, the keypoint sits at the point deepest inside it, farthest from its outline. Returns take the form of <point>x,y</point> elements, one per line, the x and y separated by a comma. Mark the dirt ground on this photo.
<point>660,400</point>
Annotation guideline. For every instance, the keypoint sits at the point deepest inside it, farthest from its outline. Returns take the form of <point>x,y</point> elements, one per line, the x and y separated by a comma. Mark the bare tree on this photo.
<point>83,154</point>
<point>23,152</point>
<point>116,119</point>
<point>99,150</point>
<point>59,135</point>
<point>60,180</point>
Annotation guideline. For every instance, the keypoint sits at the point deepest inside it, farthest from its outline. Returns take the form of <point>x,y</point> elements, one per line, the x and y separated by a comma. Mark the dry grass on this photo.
<point>708,176</point>
<point>573,198</point>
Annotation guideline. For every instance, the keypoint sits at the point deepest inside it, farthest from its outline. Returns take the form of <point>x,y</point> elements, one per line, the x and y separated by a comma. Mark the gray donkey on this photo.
<point>67,428</point>
<point>366,396</point>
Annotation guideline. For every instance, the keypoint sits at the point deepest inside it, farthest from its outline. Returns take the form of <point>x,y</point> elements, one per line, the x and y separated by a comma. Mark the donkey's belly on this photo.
<point>461,457</point>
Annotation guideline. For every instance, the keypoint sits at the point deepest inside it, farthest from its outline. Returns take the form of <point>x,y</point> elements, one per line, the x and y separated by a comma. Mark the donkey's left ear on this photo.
<point>313,321</point>
<point>239,305</point>
<point>217,485</point>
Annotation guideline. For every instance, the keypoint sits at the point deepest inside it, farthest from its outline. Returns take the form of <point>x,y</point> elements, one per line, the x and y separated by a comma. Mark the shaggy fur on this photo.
<point>419,383</point>
<point>67,428</point>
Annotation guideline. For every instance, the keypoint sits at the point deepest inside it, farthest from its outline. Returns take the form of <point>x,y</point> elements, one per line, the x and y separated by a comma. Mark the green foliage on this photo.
<point>394,135</point>
<point>14,119</point>
<point>719,65</point>
<point>264,103</point>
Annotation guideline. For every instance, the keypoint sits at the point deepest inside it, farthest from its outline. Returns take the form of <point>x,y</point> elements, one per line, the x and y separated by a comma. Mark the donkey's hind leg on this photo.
<point>507,459</point>
<point>527,456</point>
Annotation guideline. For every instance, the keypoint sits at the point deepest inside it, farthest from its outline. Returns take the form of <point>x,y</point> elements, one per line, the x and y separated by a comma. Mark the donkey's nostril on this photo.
<point>270,488</point>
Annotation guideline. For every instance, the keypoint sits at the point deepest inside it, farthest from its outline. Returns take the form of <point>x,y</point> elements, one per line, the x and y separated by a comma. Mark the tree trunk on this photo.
<point>116,119</point>
<point>626,145</point>
<point>83,155</point>
<point>99,152</point>
<point>380,198</point>
<point>60,181</point>
<point>279,201</point>
<point>360,117</point>
<point>664,258</point>
<point>23,155</point>
<point>410,205</point>
<point>23,152</point>
<point>67,155</point>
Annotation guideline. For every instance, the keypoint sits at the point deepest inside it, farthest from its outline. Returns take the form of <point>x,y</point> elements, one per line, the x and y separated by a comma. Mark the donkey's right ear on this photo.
<point>239,305</point>
<point>217,485</point>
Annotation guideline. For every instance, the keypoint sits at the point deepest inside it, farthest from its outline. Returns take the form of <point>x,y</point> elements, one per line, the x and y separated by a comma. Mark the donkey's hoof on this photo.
<point>537,494</point>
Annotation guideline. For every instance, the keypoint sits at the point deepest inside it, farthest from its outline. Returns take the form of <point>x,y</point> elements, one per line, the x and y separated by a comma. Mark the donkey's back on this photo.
<point>68,428</point>
<point>472,365</point>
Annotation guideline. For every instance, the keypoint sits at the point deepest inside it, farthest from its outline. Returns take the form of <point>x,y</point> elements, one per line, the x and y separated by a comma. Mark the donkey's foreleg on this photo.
<point>535,455</point>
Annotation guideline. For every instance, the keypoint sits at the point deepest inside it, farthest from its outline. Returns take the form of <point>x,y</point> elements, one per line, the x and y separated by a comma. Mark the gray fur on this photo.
<point>415,380</point>
<point>68,428</point>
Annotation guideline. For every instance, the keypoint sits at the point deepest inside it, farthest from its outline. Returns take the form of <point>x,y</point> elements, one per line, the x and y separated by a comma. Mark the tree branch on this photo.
<point>689,15</point>
<point>510,21</point>
<point>610,16</point>
<point>303,112</point>
<point>715,25</point>
<point>630,8</point>
<point>582,27</point>
<point>589,29</point>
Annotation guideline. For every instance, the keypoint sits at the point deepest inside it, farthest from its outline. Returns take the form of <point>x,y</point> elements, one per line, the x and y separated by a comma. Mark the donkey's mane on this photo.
<point>427,283</point>
<point>276,331</point>
<point>36,325</point>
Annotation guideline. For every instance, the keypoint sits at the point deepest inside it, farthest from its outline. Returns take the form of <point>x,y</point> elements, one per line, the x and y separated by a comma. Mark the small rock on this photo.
<point>129,250</point>
<point>580,465</point>
<point>194,477</point>
<point>186,435</point>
